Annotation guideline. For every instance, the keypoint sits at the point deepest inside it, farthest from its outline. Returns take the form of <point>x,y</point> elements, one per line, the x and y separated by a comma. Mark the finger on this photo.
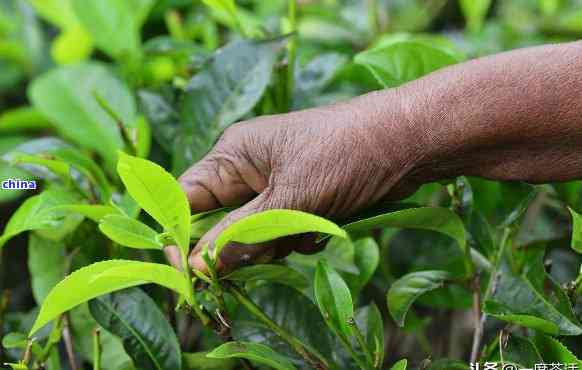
<point>173,255</point>
<point>215,182</point>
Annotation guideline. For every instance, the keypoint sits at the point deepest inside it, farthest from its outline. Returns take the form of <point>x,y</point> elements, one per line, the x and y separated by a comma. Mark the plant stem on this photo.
<point>478,322</point>
<point>308,355</point>
<point>362,344</point>
<point>68,339</point>
<point>97,349</point>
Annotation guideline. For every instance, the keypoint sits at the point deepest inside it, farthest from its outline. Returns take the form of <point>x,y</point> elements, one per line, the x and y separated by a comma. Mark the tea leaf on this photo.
<point>400,365</point>
<point>37,212</point>
<point>404,61</point>
<point>369,321</point>
<point>252,351</point>
<point>204,222</point>
<point>437,219</point>
<point>220,94</point>
<point>408,288</point>
<point>95,212</point>
<point>553,351</point>
<point>272,273</point>
<point>66,96</point>
<point>576,231</point>
<point>333,299</point>
<point>531,297</point>
<point>199,361</point>
<point>129,232</point>
<point>102,278</point>
<point>135,318</point>
<point>46,264</point>
<point>291,310</point>
<point>14,340</point>
<point>159,194</point>
<point>114,25</point>
<point>272,224</point>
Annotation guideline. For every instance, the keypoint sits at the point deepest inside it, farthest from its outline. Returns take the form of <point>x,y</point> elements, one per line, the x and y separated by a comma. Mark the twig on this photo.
<point>97,349</point>
<point>68,339</point>
<point>478,321</point>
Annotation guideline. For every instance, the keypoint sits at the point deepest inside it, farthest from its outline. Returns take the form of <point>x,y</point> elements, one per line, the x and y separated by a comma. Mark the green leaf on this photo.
<point>37,212</point>
<point>367,259</point>
<point>203,222</point>
<point>333,299</point>
<point>292,311</point>
<point>531,298</point>
<point>369,321</point>
<point>339,253</point>
<point>227,6</point>
<point>67,97</point>
<point>553,351</point>
<point>135,318</point>
<point>95,212</point>
<point>272,224</point>
<point>85,165</point>
<point>113,355</point>
<point>437,219</point>
<point>404,61</point>
<point>252,351</point>
<point>129,232</point>
<point>517,350</point>
<point>159,194</point>
<point>220,94</point>
<point>72,45</point>
<point>475,12</point>
<point>58,168</point>
<point>408,288</point>
<point>400,365</point>
<point>105,277</point>
<point>448,364</point>
<point>22,119</point>
<point>314,77</point>
<point>199,361</point>
<point>272,273</point>
<point>58,12</point>
<point>14,340</point>
<point>46,264</point>
<point>114,25</point>
<point>576,231</point>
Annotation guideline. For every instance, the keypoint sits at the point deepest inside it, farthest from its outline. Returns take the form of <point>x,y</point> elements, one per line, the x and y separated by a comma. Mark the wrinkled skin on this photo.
<point>514,116</point>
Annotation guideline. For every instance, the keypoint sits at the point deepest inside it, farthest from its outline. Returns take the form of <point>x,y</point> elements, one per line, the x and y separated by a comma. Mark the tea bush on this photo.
<point>92,93</point>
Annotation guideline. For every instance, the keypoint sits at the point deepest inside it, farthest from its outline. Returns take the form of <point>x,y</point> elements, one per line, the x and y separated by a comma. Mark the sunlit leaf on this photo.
<point>129,232</point>
<point>105,277</point>
<point>159,194</point>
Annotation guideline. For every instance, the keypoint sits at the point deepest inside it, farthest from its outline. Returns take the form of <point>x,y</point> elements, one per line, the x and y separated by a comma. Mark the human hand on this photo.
<point>331,161</point>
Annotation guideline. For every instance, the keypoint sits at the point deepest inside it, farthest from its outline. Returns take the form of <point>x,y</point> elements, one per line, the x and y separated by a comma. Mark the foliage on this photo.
<point>104,103</point>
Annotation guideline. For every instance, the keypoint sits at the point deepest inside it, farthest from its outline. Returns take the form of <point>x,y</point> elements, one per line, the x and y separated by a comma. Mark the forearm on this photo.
<point>513,116</point>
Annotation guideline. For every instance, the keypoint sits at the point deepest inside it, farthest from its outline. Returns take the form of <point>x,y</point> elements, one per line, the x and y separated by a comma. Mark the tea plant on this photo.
<point>466,271</point>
